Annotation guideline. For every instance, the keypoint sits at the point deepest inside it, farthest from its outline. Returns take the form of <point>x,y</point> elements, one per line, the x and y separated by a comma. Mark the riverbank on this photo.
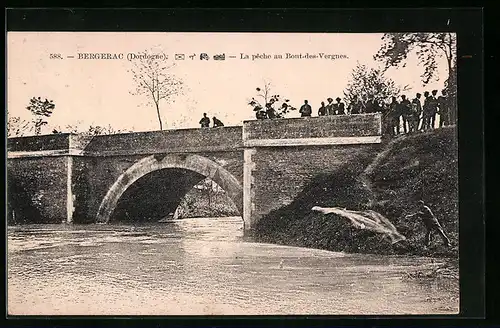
<point>411,167</point>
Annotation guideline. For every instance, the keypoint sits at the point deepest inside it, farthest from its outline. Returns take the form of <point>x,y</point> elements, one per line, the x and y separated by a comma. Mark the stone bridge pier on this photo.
<point>262,166</point>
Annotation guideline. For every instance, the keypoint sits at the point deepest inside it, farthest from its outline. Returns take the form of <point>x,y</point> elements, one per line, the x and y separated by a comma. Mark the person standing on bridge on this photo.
<point>205,121</point>
<point>431,223</point>
<point>322,110</point>
<point>416,111</point>
<point>217,122</point>
<point>330,107</point>
<point>394,114</point>
<point>405,110</point>
<point>433,106</point>
<point>305,110</point>
<point>426,116</point>
<point>356,106</point>
<point>370,105</point>
<point>339,107</point>
<point>444,112</point>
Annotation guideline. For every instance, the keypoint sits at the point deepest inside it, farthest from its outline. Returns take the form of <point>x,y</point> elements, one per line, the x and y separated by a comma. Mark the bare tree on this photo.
<point>153,79</point>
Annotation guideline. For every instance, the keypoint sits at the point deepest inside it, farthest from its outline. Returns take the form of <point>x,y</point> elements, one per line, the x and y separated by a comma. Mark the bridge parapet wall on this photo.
<point>168,141</point>
<point>52,142</point>
<point>336,129</point>
<point>138,143</point>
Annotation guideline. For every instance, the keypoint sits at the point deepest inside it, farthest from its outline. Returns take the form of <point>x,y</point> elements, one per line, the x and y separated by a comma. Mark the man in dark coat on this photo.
<point>356,106</point>
<point>444,109</point>
<point>405,110</point>
<point>416,110</point>
<point>339,107</point>
<point>426,112</point>
<point>370,105</point>
<point>433,109</point>
<point>270,112</point>
<point>205,121</point>
<point>305,110</point>
<point>394,114</point>
<point>329,107</point>
<point>322,111</point>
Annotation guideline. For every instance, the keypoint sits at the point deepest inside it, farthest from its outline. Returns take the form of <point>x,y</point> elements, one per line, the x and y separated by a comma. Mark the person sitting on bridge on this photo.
<point>260,114</point>
<point>270,112</point>
<point>217,122</point>
<point>205,121</point>
<point>431,223</point>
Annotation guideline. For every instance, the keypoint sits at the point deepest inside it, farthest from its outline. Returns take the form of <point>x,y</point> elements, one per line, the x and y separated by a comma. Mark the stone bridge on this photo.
<point>261,165</point>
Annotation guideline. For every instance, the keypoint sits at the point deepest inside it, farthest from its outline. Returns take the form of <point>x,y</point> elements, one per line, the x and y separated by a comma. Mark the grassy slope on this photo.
<point>422,166</point>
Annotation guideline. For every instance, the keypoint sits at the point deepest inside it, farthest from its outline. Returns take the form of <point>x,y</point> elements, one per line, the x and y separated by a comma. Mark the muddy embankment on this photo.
<point>409,168</point>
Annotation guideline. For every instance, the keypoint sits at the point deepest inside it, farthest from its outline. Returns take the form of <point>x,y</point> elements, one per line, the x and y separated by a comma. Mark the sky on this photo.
<point>98,92</point>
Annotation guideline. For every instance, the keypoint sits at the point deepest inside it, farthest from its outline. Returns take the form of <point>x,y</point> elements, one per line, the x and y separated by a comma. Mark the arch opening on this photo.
<point>153,188</point>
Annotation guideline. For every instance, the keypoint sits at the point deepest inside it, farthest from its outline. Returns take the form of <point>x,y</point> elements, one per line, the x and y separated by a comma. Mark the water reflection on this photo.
<point>204,266</point>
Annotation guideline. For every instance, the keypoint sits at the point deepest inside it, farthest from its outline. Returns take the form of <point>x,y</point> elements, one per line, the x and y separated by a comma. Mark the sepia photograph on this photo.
<point>204,173</point>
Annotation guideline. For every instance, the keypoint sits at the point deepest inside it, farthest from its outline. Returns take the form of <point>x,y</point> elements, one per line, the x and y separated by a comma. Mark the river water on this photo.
<point>205,267</point>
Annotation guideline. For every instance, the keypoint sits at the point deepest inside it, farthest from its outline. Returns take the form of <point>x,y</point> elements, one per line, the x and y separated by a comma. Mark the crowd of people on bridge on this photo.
<point>418,114</point>
<point>399,115</point>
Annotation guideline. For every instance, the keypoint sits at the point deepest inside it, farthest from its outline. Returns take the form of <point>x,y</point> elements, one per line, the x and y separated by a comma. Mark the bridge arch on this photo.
<point>195,163</point>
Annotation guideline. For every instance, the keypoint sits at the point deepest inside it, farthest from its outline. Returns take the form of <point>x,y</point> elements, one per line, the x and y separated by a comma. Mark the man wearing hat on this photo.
<point>329,107</point>
<point>339,107</point>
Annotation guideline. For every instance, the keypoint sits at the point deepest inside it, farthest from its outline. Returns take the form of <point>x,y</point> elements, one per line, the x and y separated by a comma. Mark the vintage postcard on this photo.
<point>232,173</point>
